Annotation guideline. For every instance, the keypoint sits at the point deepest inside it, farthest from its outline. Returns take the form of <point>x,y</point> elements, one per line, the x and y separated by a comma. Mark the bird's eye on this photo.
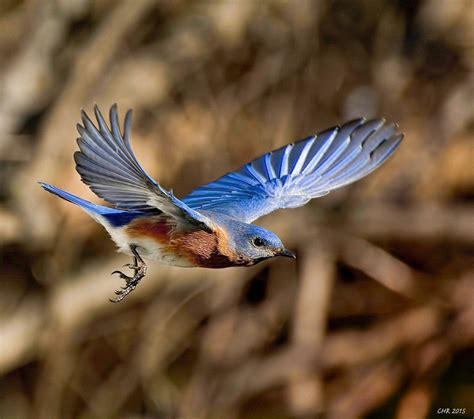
<point>258,242</point>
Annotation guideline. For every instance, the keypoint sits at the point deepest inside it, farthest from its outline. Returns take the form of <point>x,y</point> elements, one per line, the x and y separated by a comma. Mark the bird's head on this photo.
<point>253,244</point>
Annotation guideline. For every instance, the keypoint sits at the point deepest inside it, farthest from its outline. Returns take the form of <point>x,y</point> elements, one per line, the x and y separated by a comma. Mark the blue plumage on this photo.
<point>292,175</point>
<point>107,164</point>
<point>115,217</point>
<point>211,226</point>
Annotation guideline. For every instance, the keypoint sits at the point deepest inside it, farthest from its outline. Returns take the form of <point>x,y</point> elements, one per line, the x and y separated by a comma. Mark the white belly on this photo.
<point>146,247</point>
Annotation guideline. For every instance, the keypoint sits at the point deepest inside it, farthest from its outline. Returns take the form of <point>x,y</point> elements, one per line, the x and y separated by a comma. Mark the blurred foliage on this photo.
<point>375,319</point>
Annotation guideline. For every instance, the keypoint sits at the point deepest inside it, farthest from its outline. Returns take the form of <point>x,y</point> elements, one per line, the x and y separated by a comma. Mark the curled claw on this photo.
<point>120,296</point>
<point>122,276</point>
<point>130,284</point>
<point>123,292</point>
<point>139,269</point>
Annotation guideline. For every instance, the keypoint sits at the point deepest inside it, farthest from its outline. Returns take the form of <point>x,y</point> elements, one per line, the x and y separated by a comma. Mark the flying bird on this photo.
<point>212,226</point>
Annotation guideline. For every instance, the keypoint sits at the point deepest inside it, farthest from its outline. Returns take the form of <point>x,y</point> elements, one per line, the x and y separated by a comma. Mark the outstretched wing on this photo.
<point>107,164</point>
<point>292,175</point>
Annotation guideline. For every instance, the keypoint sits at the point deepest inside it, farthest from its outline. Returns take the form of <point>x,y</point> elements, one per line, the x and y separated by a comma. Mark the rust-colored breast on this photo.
<point>157,228</point>
<point>207,250</point>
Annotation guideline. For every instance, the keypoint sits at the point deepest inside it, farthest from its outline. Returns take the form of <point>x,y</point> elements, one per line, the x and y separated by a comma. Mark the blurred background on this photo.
<point>375,318</point>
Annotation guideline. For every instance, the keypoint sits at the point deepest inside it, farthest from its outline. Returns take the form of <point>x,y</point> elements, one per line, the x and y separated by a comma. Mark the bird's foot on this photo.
<point>139,269</point>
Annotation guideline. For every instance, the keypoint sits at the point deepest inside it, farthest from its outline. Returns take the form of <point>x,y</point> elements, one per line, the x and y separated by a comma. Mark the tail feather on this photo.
<point>114,216</point>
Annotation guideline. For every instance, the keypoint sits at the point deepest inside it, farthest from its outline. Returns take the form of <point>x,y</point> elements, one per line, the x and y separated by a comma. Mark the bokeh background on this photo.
<point>375,318</point>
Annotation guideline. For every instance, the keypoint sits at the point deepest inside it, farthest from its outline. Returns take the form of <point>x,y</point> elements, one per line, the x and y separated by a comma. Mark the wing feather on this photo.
<point>292,175</point>
<point>107,164</point>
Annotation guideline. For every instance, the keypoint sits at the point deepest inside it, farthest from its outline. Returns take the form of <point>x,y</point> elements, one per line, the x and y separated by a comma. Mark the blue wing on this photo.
<point>107,164</point>
<point>292,175</point>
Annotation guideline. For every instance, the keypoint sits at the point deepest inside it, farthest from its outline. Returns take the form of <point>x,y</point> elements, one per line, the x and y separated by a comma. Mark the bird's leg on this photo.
<point>139,268</point>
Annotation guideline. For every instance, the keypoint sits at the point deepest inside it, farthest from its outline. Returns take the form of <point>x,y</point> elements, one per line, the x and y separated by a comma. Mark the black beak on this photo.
<point>286,253</point>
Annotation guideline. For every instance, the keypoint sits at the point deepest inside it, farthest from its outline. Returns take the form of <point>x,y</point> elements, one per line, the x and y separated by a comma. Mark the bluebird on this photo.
<point>212,226</point>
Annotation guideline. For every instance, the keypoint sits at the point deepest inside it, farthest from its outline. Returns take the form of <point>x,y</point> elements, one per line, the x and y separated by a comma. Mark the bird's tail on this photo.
<point>88,206</point>
<point>100,213</point>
